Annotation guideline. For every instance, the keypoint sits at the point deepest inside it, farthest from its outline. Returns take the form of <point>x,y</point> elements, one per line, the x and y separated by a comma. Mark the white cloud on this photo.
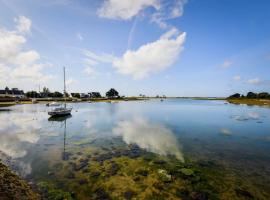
<point>152,137</point>
<point>17,65</point>
<point>167,11</point>
<point>90,71</point>
<point>70,81</point>
<point>102,58</point>
<point>226,64</point>
<point>79,36</point>
<point>125,10</point>
<point>152,57</point>
<point>23,24</point>
<point>254,81</point>
<point>237,78</point>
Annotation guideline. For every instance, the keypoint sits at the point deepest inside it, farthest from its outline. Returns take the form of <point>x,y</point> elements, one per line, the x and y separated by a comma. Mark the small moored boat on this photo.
<point>62,111</point>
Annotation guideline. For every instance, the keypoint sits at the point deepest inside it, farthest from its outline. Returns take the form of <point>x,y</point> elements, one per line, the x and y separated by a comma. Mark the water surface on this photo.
<point>64,152</point>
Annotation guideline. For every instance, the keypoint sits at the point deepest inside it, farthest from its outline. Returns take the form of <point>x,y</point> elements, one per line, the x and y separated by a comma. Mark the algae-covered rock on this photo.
<point>187,172</point>
<point>164,176</point>
<point>12,187</point>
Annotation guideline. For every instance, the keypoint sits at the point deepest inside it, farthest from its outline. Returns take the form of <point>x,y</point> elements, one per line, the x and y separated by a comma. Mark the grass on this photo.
<point>258,102</point>
<point>6,104</point>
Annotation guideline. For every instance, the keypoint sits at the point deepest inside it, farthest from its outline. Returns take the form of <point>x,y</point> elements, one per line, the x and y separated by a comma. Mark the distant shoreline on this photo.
<point>247,101</point>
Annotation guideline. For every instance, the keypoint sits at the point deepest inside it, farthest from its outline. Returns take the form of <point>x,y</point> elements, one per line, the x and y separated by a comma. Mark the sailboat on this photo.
<point>62,111</point>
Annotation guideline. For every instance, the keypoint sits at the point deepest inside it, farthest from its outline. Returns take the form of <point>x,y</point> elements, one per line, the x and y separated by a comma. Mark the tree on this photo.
<point>32,94</point>
<point>75,95</point>
<point>236,95</point>
<point>57,94</point>
<point>263,95</point>
<point>95,95</point>
<point>251,95</point>
<point>112,93</point>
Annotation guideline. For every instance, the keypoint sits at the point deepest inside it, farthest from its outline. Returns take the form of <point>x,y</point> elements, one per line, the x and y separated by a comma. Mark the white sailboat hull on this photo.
<point>60,112</point>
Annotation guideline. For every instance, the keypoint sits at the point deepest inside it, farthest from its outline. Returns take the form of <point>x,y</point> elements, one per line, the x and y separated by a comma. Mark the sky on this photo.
<point>151,47</point>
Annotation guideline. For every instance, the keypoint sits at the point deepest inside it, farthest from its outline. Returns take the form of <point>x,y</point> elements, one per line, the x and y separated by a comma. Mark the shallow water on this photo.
<point>225,142</point>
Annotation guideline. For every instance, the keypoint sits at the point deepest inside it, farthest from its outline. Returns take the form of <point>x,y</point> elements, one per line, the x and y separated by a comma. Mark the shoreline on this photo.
<point>250,102</point>
<point>13,187</point>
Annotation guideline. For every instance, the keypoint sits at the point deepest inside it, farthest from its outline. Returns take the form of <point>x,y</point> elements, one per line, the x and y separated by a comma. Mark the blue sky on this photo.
<point>176,48</point>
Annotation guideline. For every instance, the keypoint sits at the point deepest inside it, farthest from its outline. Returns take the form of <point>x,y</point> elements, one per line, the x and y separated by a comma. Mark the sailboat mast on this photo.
<point>65,85</point>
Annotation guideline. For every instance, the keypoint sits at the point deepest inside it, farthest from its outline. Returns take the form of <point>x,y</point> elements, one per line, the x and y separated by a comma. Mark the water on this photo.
<point>222,143</point>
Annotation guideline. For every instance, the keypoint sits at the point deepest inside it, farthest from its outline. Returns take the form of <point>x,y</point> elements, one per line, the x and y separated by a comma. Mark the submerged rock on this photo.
<point>128,194</point>
<point>82,164</point>
<point>164,176</point>
<point>243,193</point>
<point>187,172</point>
<point>100,194</point>
<point>114,169</point>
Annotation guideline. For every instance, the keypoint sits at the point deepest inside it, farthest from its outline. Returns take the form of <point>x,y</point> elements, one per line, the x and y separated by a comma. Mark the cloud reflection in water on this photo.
<point>155,138</point>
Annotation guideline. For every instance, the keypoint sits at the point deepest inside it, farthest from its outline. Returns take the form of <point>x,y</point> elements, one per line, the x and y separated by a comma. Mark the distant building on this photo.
<point>83,95</point>
<point>94,95</point>
<point>14,92</point>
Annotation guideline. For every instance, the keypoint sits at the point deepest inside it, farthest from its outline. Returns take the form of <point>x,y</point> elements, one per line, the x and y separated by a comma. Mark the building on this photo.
<point>14,92</point>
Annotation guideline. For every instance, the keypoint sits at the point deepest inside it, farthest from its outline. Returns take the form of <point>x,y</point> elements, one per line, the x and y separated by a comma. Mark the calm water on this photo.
<point>236,137</point>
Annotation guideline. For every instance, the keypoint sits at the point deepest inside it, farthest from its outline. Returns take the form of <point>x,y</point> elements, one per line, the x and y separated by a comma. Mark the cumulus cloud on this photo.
<point>152,57</point>
<point>254,81</point>
<point>23,24</point>
<point>152,137</point>
<point>18,65</point>
<point>162,10</point>
<point>125,10</point>
<point>226,64</point>
<point>237,78</point>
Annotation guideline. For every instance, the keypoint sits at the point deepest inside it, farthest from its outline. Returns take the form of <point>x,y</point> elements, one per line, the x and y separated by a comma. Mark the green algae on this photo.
<point>50,192</point>
<point>148,176</point>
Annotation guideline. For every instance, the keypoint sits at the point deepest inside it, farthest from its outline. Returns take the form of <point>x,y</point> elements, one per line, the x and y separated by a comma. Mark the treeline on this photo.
<point>252,95</point>
<point>112,93</point>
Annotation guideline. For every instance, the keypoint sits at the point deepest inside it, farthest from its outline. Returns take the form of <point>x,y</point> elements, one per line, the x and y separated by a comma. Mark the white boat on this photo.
<point>53,104</point>
<point>62,111</point>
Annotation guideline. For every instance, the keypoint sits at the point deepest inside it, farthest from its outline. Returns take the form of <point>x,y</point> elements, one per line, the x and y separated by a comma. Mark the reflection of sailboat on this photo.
<point>63,110</point>
<point>65,154</point>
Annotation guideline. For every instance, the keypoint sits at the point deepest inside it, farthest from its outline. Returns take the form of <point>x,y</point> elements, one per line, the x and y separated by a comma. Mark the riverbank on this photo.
<point>250,102</point>
<point>12,187</point>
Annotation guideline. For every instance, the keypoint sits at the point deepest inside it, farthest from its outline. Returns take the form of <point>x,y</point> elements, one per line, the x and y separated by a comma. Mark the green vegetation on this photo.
<point>13,187</point>
<point>260,99</point>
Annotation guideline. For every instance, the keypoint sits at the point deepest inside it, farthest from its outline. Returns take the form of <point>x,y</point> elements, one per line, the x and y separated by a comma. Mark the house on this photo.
<point>83,95</point>
<point>14,92</point>
<point>94,95</point>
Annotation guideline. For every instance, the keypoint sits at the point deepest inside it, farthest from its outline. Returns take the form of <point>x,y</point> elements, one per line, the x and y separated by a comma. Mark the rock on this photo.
<point>128,194</point>
<point>50,173</point>
<point>187,172</point>
<point>100,194</point>
<point>199,196</point>
<point>82,164</point>
<point>114,169</point>
<point>142,172</point>
<point>70,175</point>
<point>164,176</point>
<point>95,174</point>
<point>13,187</point>
<point>243,193</point>
<point>83,181</point>
<point>159,162</point>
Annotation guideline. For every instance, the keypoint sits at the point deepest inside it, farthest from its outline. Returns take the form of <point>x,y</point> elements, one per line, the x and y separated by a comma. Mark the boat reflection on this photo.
<point>65,154</point>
